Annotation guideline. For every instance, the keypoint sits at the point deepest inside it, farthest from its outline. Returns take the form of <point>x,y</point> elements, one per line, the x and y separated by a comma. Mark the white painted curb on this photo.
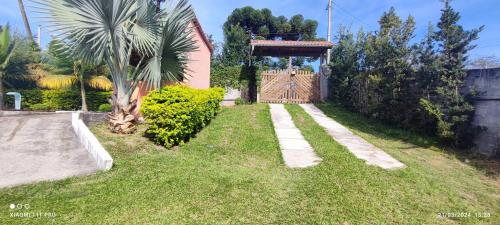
<point>90,143</point>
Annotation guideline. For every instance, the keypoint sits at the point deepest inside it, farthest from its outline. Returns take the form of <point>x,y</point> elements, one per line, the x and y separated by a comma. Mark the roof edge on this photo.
<point>198,27</point>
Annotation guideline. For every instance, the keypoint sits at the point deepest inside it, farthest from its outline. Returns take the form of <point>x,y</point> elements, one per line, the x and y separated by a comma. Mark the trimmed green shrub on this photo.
<point>97,98</point>
<point>62,99</point>
<point>105,107</point>
<point>176,113</point>
<point>58,99</point>
<point>41,107</point>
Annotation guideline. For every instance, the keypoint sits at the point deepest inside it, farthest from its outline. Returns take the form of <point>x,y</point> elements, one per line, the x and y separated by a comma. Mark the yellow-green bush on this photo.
<point>176,113</point>
<point>38,99</point>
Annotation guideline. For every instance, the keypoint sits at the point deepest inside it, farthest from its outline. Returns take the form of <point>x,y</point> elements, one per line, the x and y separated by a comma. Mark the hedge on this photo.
<point>176,113</point>
<point>36,99</point>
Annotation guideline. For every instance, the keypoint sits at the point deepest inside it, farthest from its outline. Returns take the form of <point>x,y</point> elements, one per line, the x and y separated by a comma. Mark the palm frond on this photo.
<point>57,81</point>
<point>4,42</point>
<point>6,47</point>
<point>100,83</point>
<point>90,28</point>
<point>146,27</point>
<point>170,60</point>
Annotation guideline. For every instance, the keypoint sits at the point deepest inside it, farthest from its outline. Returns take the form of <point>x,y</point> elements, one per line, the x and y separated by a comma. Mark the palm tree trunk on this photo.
<point>121,118</point>
<point>1,90</point>
<point>25,20</point>
<point>83,94</point>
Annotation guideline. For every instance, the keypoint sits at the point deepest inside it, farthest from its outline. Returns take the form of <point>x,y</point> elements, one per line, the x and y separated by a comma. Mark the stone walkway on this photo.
<point>356,145</point>
<point>296,151</point>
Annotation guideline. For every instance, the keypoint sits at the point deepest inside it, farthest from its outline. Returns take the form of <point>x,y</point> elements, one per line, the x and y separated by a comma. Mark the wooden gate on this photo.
<point>289,86</point>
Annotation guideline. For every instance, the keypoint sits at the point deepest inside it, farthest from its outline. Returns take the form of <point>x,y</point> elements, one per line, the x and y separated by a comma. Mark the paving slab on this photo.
<point>296,151</point>
<point>355,144</point>
<point>40,147</point>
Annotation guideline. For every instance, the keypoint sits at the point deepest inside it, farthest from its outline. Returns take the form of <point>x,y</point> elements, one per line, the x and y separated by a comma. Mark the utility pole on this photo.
<point>329,34</point>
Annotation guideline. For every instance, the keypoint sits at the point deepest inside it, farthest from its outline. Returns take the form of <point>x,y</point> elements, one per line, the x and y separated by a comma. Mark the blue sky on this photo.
<point>352,13</point>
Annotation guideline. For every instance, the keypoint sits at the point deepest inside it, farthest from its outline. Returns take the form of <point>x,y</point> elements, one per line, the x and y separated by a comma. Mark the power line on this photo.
<point>349,14</point>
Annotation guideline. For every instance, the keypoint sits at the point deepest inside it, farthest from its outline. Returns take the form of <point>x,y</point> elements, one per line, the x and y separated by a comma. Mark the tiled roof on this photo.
<point>325,44</point>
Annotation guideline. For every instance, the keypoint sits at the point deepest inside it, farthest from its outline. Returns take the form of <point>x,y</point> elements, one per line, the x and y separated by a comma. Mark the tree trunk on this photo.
<point>121,118</point>
<point>1,90</point>
<point>83,94</point>
<point>25,20</point>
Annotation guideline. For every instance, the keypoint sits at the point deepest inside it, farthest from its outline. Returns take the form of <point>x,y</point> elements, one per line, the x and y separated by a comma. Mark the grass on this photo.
<point>232,173</point>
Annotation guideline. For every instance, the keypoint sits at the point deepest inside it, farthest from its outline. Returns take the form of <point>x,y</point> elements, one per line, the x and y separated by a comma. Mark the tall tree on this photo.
<point>263,25</point>
<point>345,66</point>
<point>6,50</point>
<point>27,26</point>
<point>235,49</point>
<point>390,58</point>
<point>110,31</point>
<point>70,72</point>
<point>452,110</point>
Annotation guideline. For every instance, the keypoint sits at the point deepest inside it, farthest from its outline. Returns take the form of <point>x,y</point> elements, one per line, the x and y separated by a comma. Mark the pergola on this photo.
<point>276,48</point>
<point>292,86</point>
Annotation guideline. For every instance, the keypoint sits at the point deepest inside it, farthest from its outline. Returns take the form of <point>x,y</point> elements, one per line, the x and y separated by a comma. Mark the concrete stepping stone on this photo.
<point>355,144</point>
<point>296,151</point>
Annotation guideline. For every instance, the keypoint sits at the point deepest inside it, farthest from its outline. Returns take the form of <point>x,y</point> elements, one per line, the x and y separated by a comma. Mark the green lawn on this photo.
<point>232,173</point>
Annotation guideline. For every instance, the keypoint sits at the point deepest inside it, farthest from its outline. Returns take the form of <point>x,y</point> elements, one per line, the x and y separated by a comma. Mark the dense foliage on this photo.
<point>105,107</point>
<point>176,113</point>
<point>416,86</point>
<point>243,78</point>
<point>6,49</point>
<point>248,23</point>
<point>225,76</point>
<point>37,99</point>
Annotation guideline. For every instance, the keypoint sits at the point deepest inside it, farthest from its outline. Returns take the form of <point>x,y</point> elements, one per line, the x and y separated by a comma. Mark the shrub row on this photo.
<point>36,99</point>
<point>176,113</point>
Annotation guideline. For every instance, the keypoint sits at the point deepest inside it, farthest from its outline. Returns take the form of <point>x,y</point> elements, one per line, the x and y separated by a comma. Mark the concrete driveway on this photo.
<point>40,147</point>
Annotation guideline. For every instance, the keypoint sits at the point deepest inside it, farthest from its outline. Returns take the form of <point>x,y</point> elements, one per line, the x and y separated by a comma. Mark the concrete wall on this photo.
<point>230,96</point>
<point>487,104</point>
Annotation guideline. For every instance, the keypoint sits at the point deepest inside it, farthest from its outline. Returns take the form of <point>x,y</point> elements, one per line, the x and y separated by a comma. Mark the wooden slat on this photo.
<point>280,86</point>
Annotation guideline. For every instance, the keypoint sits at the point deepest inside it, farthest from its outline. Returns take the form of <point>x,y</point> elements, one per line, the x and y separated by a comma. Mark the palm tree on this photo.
<point>25,19</point>
<point>114,30</point>
<point>71,72</point>
<point>83,75</point>
<point>6,49</point>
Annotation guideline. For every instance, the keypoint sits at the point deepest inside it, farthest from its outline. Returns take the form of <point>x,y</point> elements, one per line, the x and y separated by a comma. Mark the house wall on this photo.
<point>487,104</point>
<point>199,65</point>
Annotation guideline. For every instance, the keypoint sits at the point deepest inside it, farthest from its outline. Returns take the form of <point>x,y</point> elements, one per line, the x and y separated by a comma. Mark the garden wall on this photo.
<point>487,103</point>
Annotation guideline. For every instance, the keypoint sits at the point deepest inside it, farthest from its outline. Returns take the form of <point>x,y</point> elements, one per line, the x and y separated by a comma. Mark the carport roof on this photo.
<point>278,48</point>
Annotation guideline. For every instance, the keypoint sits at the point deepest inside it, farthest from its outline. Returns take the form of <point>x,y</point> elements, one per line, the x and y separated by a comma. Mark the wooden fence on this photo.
<point>289,86</point>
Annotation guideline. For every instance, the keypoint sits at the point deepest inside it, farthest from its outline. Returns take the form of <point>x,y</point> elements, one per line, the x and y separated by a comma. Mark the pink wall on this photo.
<point>199,65</point>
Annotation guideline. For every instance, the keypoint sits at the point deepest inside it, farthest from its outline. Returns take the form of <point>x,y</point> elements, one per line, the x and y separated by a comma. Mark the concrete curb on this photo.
<point>90,143</point>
